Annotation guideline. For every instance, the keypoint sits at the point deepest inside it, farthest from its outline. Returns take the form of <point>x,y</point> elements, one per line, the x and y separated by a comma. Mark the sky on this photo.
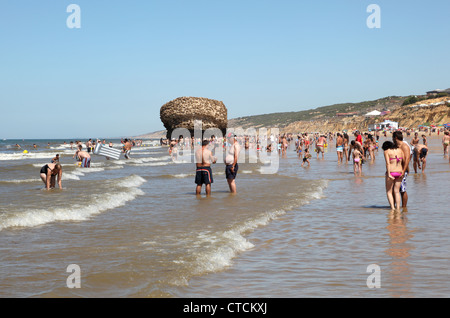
<point>110,77</point>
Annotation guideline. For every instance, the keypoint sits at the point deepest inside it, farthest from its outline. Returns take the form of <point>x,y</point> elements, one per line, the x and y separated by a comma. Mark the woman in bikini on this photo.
<point>49,173</point>
<point>394,159</point>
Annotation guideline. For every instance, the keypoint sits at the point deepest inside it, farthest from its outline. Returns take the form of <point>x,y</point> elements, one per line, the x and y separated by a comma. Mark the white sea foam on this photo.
<point>24,156</point>
<point>131,182</point>
<point>79,172</point>
<point>215,251</point>
<point>150,164</point>
<point>108,201</point>
<point>62,147</point>
<point>90,170</point>
<point>183,175</point>
<point>20,181</point>
<point>142,160</point>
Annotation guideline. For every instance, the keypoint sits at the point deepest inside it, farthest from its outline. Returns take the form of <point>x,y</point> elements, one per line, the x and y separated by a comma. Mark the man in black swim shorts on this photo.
<point>231,161</point>
<point>203,173</point>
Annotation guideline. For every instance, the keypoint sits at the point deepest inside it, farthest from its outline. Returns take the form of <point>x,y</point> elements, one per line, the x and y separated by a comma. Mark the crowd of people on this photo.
<point>363,148</point>
<point>398,154</point>
<point>82,155</point>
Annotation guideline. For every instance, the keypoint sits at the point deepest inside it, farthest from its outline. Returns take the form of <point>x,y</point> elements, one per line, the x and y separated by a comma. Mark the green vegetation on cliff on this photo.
<point>325,112</point>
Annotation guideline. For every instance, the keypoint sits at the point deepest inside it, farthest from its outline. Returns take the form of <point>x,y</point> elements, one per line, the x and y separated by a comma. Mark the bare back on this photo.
<point>203,157</point>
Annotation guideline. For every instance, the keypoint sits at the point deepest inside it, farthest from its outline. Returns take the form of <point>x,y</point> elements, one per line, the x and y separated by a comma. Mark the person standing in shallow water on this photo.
<point>397,138</point>
<point>340,147</point>
<point>446,142</point>
<point>320,146</point>
<point>203,173</point>
<point>357,160</point>
<point>127,148</point>
<point>346,141</point>
<point>231,161</point>
<point>394,173</point>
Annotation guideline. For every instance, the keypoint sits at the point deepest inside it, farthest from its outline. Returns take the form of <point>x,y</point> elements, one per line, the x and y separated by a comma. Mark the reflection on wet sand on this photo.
<point>399,271</point>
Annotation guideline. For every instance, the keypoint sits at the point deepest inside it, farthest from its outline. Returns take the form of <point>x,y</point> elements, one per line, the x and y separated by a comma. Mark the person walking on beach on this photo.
<point>397,138</point>
<point>394,172</point>
<point>203,173</point>
<point>48,175</point>
<point>231,161</point>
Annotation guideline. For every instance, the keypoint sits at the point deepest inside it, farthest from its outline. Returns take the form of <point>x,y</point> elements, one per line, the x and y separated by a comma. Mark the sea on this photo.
<point>135,228</point>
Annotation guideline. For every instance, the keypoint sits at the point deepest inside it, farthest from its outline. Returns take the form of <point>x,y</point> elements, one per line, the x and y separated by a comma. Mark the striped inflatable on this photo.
<point>107,151</point>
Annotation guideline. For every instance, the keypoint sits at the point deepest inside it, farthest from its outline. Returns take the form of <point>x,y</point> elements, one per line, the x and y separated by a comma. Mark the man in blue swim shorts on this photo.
<point>340,147</point>
<point>84,157</point>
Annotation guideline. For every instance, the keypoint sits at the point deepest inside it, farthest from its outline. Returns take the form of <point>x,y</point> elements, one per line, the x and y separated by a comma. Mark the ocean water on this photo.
<point>135,228</point>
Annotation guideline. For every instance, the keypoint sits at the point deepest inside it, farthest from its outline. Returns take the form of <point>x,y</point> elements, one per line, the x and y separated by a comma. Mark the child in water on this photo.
<point>306,157</point>
<point>357,160</point>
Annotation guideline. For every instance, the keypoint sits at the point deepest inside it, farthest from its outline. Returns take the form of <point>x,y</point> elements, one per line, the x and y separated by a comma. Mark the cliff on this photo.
<point>433,111</point>
<point>436,112</point>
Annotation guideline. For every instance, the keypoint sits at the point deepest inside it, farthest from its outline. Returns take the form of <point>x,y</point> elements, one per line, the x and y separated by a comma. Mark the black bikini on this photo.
<point>45,168</point>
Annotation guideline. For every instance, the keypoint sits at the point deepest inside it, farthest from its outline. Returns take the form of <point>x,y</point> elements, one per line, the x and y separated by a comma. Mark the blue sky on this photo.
<point>111,76</point>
